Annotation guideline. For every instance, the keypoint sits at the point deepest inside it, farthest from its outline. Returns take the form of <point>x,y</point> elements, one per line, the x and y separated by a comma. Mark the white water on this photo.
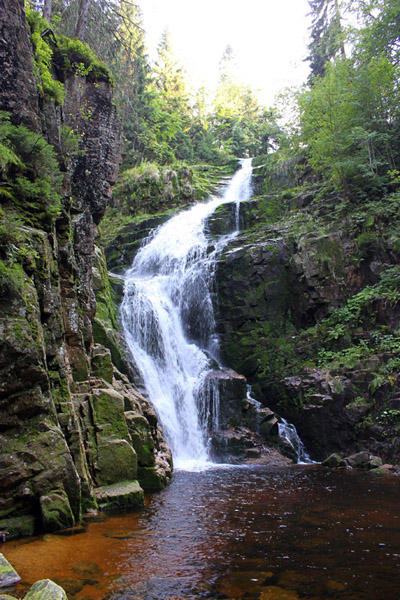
<point>289,432</point>
<point>168,321</point>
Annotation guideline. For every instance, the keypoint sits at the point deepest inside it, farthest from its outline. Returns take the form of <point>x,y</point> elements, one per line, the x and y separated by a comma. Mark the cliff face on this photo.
<point>71,424</point>
<point>308,310</point>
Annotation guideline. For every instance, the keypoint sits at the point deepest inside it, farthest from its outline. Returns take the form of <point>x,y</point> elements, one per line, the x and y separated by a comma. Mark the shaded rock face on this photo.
<point>240,428</point>
<point>18,91</point>
<point>271,285</point>
<point>65,407</point>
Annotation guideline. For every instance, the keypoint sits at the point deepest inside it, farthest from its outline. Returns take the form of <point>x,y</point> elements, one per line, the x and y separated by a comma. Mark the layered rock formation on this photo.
<point>71,423</point>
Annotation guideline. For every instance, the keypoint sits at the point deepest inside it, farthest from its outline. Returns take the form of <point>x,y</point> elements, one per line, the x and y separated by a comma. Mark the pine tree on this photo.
<point>326,35</point>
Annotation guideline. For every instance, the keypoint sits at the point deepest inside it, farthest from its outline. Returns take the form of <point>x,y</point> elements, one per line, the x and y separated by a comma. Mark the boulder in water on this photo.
<point>45,589</point>
<point>8,575</point>
<point>120,495</point>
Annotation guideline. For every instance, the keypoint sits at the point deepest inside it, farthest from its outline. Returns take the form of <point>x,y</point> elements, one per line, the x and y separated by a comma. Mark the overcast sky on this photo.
<point>269,39</point>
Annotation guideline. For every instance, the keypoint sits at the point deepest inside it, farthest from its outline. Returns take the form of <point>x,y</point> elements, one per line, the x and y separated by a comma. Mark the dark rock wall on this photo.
<point>275,281</point>
<point>70,421</point>
<point>17,85</point>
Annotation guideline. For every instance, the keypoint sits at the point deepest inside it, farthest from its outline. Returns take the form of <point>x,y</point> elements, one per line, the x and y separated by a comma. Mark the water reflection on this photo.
<point>281,533</point>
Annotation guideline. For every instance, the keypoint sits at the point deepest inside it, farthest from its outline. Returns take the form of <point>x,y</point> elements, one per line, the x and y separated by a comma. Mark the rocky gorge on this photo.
<point>305,297</point>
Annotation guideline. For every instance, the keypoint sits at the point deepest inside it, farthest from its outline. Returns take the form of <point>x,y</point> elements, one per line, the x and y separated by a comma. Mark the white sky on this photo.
<point>269,39</point>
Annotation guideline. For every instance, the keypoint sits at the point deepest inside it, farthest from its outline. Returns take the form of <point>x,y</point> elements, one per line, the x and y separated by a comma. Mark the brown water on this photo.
<point>256,532</point>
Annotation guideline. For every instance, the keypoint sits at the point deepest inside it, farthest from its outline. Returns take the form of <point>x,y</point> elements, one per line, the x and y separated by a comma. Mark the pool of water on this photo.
<point>235,532</point>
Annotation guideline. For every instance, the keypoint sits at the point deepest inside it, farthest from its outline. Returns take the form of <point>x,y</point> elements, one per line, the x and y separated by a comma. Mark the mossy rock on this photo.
<point>108,407</point>
<point>116,461</point>
<point>332,461</point>
<point>103,334</point>
<point>56,511</point>
<point>19,526</point>
<point>150,480</point>
<point>45,589</point>
<point>101,363</point>
<point>142,440</point>
<point>125,494</point>
<point>8,575</point>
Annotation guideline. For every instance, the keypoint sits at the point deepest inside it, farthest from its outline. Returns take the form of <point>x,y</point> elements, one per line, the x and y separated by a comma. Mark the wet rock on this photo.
<point>125,494</point>
<point>363,460</point>
<point>150,479</point>
<point>333,461</point>
<point>8,575</point>
<point>19,526</point>
<point>70,585</point>
<point>101,363</point>
<point>45,589</point>
<point>56,511</point>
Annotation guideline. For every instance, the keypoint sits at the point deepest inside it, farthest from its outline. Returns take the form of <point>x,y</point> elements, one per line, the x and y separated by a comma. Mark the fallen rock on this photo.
<point>332,461</point>
<point>120,495</point>
<point>45,589</point>
<point>8,575</point>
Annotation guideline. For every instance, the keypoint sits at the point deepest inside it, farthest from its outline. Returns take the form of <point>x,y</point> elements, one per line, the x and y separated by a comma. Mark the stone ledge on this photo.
<point>124,494</point>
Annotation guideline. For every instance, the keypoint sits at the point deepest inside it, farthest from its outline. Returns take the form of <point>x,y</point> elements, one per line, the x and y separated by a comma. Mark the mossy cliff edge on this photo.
<point>74,431</point>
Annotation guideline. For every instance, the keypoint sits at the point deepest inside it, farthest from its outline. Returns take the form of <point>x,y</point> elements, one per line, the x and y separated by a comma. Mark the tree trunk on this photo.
<point>47,10</point>
<point>82,19</point>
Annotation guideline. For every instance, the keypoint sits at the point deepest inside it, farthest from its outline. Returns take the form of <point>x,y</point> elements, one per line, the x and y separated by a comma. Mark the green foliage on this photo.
<point>73,56</point>
<point>30,174</point>
<point>43,53</point>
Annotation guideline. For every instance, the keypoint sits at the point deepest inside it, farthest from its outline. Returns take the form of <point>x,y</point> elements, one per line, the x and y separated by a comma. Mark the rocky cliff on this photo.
<point>74,431</point>
<point>308,310</point>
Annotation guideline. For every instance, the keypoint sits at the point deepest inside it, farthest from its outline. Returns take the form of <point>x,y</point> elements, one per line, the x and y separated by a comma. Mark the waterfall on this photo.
<point>289,433</point>
<point>168,321</point>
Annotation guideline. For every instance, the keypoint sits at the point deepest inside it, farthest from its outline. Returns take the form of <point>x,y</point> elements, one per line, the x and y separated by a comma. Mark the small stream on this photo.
<point>234,532</point>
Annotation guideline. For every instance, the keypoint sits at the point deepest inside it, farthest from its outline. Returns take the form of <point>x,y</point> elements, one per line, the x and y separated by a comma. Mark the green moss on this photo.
<point>74,56</point>
<point>150,480</point>
<point>125,494</point>
<point>43,54</point>
<point>108,408</point>
<point>56,511</point>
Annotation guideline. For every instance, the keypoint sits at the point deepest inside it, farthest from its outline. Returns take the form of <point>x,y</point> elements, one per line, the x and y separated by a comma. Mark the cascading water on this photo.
<point>289,433</point>
<point>168,321</point>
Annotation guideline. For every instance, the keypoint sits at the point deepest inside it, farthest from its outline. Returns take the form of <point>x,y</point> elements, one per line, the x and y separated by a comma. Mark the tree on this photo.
<point>327,36</point>
<point>81,23</point>
<point>47,10</point>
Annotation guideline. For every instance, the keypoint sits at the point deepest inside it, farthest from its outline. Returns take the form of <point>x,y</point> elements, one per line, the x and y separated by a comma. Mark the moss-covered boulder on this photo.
<point>8,575</point>
<point>45,589</point>
<point>116,461</point>
<point>56,511</point>
<point>124,494</point>
<point>21,526</point>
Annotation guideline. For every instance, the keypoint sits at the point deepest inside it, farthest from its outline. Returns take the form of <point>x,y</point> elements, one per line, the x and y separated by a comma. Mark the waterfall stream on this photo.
<point>168,320</point>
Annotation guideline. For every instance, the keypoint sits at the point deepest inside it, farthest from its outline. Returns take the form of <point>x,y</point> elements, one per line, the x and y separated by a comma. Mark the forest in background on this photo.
<point>344,121</point>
